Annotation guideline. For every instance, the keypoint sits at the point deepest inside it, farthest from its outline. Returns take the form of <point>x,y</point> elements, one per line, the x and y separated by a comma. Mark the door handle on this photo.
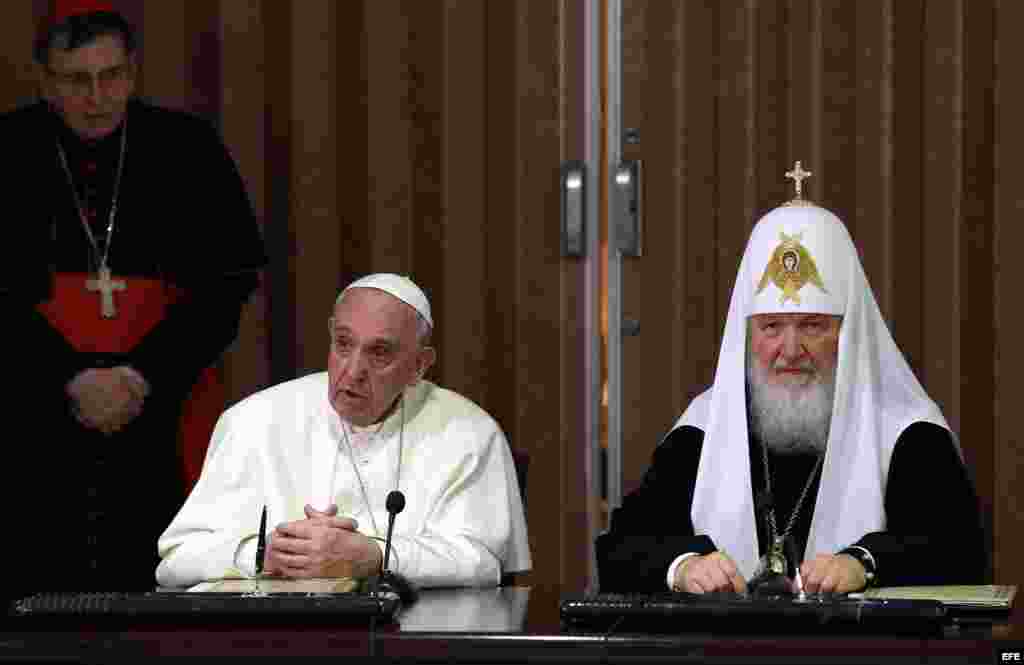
<point>628,209</point>
<point>574,189</point>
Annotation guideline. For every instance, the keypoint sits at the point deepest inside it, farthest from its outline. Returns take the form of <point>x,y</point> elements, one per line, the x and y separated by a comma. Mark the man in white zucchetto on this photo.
<point>323,452</point>
<point>815,451</point>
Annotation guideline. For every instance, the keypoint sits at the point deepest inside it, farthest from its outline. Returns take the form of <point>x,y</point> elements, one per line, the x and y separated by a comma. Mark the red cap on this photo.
<point>61,10</point>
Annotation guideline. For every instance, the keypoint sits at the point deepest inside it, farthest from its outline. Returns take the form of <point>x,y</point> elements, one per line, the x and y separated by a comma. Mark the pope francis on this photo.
<point>322,453</point>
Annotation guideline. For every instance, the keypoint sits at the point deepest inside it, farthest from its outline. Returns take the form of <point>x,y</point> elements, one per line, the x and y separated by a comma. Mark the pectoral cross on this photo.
<point>106,287</point>
<point>798,175</point>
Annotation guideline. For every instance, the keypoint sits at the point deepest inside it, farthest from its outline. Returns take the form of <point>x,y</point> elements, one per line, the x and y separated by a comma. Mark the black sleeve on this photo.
<point>653,525</point>
<point>933,531</point>
<point>41,360</point>
<point>192,335</point>
<point>218,274</point>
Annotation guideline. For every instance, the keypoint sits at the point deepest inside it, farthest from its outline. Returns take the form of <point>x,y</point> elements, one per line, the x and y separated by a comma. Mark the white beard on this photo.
<point>789,419</point>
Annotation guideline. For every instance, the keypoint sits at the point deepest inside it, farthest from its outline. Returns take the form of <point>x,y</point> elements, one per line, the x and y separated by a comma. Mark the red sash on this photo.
<point>75,312</point>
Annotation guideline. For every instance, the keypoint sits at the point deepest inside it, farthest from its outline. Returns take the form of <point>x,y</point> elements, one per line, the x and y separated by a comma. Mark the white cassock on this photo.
<point>284,447</point>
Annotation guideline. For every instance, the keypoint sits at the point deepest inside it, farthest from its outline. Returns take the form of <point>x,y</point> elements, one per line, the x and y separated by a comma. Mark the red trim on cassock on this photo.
<point>74,311</point>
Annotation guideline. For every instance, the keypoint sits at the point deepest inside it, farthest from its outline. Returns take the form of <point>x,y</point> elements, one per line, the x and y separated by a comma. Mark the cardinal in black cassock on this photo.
<point>130,249</point>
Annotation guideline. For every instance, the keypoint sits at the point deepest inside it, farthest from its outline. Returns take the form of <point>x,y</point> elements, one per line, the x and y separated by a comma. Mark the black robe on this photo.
<point>933,533</point>
<point>86,509</point>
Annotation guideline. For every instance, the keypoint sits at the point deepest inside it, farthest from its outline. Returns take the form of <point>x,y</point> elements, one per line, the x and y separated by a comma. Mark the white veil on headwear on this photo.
<point>876,396</point>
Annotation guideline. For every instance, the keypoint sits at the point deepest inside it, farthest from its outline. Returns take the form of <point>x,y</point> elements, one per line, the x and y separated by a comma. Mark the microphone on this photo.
<point>395,504</point>
<point>387,580</point>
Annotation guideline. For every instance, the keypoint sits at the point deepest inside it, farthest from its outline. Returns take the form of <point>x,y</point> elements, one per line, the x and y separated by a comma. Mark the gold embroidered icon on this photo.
<point>790,268</point>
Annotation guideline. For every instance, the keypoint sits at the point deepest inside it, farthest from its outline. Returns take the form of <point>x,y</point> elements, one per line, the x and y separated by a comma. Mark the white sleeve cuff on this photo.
<point>671,577</point>
<point>245,556</point>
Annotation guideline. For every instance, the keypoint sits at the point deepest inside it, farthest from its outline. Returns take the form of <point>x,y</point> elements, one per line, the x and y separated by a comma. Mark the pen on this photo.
<point>799,581</point>
<point>261,542</point>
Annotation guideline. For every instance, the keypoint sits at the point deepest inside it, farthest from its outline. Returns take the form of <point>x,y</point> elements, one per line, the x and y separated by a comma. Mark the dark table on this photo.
<point>505,625</point>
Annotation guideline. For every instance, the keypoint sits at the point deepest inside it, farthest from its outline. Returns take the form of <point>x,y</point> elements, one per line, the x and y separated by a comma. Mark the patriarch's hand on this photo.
<point>833,573</point>
<point>708,573</point>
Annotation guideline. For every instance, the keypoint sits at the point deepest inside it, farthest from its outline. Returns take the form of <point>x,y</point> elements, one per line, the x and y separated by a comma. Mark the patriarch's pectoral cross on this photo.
<point>106,286</point>
<point>798,176</point>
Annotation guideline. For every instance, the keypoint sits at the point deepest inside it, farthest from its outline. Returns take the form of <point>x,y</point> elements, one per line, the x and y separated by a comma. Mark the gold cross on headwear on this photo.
<point>798,175</point>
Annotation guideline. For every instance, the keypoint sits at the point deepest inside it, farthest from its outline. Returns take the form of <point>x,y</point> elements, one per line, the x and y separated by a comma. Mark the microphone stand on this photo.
<point>387,580</point>
<point>395,503</point>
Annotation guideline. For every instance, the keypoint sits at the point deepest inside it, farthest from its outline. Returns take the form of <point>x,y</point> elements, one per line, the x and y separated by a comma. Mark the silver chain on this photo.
<point>796,509</point>
<point>355,467</point>
<point>101,258</point>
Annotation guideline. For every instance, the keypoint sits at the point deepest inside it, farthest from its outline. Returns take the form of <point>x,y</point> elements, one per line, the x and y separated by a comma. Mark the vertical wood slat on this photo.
<point>279,169</point>
<point>652,60</point>
<point>17,73</point>
<point>803,60</point>
<point>352,78</point>
<point>247,363</point>
<point>872,204</point>
<point>428,233</point>
<point>502,198</point>
<point>538,243</point>
<point>698,190</point>
<point>734,173</point>
<point>315,206</point>
<point>776,141</point>
<point>1008,275</point>
<point>976,329</point>
<point>941,204</point>
<point>389,162</point>
<point>908,144</point>
<point>464,339</point>
<point>579,317</point>
<point>165,76</point>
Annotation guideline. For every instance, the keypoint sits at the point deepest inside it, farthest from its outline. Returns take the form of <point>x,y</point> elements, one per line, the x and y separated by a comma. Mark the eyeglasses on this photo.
<point>80,84</point>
